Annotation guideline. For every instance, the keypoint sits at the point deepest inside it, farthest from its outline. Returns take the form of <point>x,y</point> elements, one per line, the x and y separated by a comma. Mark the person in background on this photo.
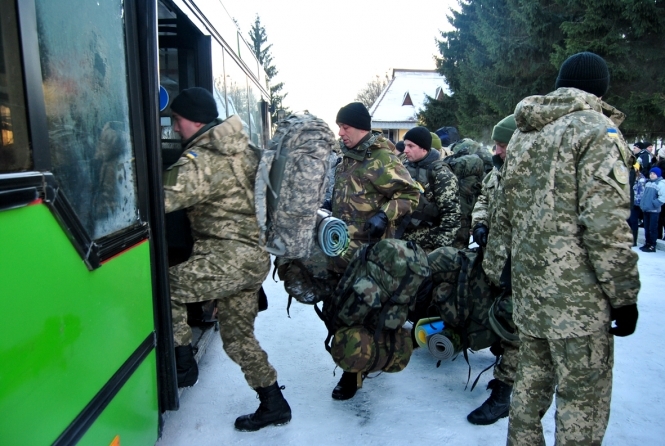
<point>482,219</point>
<point>560,240</point>
<point>651,204</point>
<point>434,223</point>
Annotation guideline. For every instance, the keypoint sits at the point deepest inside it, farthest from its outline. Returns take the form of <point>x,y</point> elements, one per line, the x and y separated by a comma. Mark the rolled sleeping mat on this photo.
<point>331,233</point>
<point>427,327</point>
<point>443,347</point>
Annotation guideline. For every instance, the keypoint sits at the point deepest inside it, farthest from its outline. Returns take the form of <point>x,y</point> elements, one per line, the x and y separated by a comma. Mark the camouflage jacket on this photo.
<point>561,215</point>
<point>444,193</point>
<point>485,207</point>
<point>214,180</point>
<point>369,179</point>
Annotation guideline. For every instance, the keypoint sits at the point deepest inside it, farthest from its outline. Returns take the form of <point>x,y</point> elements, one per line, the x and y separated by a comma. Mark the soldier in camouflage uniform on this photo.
<point>372,190</point>
<point>214,181</point>
<point>482,218</point>
<point>372,187</point>
<point>561,222</point>
<point>436,220</point>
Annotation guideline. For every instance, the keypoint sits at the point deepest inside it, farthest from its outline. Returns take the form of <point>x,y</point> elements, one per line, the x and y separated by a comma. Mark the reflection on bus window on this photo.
<point>85,90</point>
<point>15,153</point>
<point>236,94</point>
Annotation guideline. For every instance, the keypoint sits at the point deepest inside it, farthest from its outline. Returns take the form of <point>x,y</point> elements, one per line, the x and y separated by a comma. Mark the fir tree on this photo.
<point>259,40</point>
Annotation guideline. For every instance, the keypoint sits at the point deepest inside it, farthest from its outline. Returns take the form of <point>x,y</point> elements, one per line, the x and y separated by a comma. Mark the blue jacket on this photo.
<point>654,195</point>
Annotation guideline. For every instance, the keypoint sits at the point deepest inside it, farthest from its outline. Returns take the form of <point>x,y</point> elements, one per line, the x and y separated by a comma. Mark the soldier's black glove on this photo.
<point>327,205</point>
<point>376,226</point>
<point>625,320</point>
<point>480,232</point>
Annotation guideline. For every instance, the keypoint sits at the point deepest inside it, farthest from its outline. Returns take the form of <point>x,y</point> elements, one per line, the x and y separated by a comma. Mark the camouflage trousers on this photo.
<point>231,272</point>
<point>579,370</point>
<point>506,369</point>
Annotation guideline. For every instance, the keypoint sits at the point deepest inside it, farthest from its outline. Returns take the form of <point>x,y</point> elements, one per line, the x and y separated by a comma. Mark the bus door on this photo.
<point>80,270</point>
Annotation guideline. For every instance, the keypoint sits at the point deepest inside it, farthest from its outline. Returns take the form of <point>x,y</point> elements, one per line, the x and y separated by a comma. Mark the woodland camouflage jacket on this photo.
<point>370,178</point>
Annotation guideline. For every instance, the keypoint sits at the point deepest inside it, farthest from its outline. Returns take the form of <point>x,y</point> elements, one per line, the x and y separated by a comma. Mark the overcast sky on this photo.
<point>326,52</point>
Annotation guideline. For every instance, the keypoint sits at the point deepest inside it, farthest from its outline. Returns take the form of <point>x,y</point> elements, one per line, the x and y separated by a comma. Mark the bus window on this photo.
<point>15,153</point>
<point>84,71</point>
<point>236,92</point>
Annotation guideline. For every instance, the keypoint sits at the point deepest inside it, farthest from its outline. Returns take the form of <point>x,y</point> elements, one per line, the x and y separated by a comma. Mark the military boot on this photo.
<point>346,387</point>
<point>273,410</point>
<point>495,407</point>
<point>188,370</point>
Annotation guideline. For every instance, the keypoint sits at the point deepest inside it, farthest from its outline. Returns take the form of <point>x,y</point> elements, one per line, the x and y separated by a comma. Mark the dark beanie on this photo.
<point>356,115</point>
<point>420,136</point>
<point>657,171</point>
<point>585,71</point>
<point>195,104</point>
<point>400,146</point>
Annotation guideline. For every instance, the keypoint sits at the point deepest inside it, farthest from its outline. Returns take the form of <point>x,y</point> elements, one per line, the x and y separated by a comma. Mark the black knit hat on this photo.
<point>356,115</point>
<point>585,71</point>
<point>195,104</point>
<point>420,136</point>
<point>400,146</point>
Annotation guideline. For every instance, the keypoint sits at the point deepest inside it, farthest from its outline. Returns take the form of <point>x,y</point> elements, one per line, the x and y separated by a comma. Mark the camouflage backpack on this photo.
<point>470,171</point>
<point>463,295</point>
<point>291,183</point>
<point>365,314</point>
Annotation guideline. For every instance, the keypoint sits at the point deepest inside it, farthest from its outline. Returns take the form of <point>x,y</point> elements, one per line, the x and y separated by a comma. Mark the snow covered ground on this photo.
<point>420,405</point>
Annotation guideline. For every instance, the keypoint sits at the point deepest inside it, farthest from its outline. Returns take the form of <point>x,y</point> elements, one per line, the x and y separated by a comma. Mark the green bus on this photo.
<point>86,351</point>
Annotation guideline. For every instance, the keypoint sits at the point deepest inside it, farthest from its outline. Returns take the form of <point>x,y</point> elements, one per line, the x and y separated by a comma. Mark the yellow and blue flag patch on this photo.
<point>612,132</point>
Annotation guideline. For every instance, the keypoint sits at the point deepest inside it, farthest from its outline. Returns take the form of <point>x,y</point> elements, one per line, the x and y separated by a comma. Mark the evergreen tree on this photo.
<point>438,113</point>
<point>501,51</point>
<point>259,39</point>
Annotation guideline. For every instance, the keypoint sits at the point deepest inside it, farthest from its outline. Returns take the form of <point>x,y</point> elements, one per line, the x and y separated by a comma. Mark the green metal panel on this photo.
<point>65,330</point>
<point>133,414</point>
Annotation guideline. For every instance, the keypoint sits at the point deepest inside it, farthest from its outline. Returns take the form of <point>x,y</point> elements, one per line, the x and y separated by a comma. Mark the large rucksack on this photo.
<point>291,183</point>
<point>463,295</point>
<point>470,171</point>
<point>365,314</point>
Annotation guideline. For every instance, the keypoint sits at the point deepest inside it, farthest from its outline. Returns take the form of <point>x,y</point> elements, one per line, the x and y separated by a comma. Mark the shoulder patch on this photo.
<point>191,155</point>
<point>620,172</point>
<point>612,132</point>
<point>170,177</point>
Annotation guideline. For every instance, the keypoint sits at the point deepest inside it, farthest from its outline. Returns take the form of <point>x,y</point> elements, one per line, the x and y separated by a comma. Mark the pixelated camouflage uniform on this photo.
<point>370,179</point>
<point>561,216</point>
<point>444,194</point>
<point>214,180</point>
<point>484,212</point>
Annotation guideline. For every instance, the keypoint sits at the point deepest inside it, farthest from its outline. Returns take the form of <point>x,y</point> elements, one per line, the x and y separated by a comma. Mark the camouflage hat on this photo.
<point>466,143</point>
<point>353,349</point>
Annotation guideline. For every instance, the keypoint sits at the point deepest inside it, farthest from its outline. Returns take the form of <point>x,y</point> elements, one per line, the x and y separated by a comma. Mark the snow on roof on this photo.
<point>418,84</point>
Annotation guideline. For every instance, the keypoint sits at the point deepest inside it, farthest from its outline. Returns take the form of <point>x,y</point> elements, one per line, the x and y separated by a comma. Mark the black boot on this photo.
<point>635,237</point>
<point>495,407</point>
<point>273,410</point>
<point>346,387</point>
<point>188,371</point>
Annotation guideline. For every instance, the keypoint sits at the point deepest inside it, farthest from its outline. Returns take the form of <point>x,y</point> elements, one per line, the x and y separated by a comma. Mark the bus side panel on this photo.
<point>132,415</point>
<point>65,330</point>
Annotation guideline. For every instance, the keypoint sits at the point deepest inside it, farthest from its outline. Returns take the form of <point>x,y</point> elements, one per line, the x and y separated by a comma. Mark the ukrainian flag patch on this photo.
<point>612,132</point>
<point>191,155</point>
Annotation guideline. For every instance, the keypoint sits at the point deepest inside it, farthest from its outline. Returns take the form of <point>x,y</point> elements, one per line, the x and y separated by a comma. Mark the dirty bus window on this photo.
<point>15,153</point>
<point>84,74</point>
